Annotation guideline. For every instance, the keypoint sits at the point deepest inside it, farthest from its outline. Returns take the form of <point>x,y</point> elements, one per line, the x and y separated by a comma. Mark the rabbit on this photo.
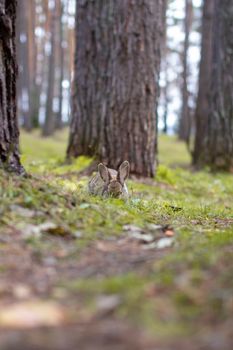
<point>109,182</point>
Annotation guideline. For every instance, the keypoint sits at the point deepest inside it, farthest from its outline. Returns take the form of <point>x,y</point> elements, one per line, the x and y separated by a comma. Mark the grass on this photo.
<point>184,290</point>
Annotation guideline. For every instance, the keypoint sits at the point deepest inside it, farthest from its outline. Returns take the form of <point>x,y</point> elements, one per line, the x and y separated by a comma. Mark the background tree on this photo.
<point>9,132</point>
<point>25,62</point>
<point>185,122</point>
<point>45,50</point>
<point>49,124</point>
<point>217,148</point>
<point>202,105</point>
<point>115,96</point>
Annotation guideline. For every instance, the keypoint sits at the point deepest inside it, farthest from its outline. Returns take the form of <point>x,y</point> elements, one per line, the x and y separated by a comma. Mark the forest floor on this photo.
<point>82,272</point>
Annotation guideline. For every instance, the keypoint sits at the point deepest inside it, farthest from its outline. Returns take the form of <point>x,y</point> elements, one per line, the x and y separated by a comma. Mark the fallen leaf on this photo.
<point>169,233</point>
<point>31,314</point>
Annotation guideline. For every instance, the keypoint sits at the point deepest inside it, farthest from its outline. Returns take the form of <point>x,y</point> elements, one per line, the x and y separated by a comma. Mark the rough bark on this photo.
<point>9,132</point>
<point>217,151</point>
<point>202,106</point>
<point>184,125</point>
<point>116,90</point>
<point>164,96</point>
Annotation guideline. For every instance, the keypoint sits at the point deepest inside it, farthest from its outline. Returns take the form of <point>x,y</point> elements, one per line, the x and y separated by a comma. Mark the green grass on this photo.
<point>189,286</point>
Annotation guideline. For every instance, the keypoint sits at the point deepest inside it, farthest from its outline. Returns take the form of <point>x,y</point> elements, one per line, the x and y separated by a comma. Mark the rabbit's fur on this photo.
<point>109,182</point>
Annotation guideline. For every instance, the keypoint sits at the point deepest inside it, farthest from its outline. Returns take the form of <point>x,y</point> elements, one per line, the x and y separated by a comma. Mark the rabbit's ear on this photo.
<point>123,172</point>
<point>103,171</point>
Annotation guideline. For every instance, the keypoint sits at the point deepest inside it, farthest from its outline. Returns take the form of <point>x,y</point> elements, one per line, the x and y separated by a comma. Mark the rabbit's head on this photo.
<point>114,181</point>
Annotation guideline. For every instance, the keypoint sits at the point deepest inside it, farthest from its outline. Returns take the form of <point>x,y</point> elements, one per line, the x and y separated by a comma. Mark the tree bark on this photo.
<point>202,106</point>
<point>184,125</point>
<point>115,94</point>
<point>219,150</point>
<point>9,132</point>
<point>217,147</point>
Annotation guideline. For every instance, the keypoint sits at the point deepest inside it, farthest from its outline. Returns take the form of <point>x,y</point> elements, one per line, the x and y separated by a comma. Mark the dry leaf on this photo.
<point>31,314</point>
<point>169,233</point>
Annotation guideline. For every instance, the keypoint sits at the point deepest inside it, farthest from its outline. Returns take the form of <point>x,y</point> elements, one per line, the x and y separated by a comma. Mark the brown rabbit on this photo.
<point>109,182</point>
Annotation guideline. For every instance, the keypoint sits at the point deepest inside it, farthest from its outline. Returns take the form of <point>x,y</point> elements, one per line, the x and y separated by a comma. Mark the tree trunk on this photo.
<point>219,140</point>
<point>61,66</point>
<point>115,95</point>
<point>33,65</point>
<point>9,132</point>
<point>49,125</point>
<point>164,96</point>
<point>24,65</point>
<point>202,107</point>
<point>216,147</point>
<point>184,126</point>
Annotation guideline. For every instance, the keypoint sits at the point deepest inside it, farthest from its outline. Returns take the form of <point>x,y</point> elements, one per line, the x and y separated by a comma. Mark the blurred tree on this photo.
<point>34,92</point>
<point>24,94</point>
<point>217,148</point>
<point>164,66</point>
<point>115,95</point>
<point>49,124</point>
<point>202,106</point>
<point>185,122</point>
<point>44,26</point>
<point>9,133</point>
<point>61,54</point>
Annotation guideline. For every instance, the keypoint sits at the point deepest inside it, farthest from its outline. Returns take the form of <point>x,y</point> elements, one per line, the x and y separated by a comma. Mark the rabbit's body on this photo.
<point>109,182</point>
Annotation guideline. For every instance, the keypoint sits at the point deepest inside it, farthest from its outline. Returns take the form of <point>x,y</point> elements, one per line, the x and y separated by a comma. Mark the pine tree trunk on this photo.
<point>33,54</point>
<point>217,146</point>
<point>185,124</point>
<point>24,65</point>
<point>9,132</point>
<point>61,66</point>
<point>202,107</point>
<point>115,95</point>
<point>49,125</point>
<point>219,143</point>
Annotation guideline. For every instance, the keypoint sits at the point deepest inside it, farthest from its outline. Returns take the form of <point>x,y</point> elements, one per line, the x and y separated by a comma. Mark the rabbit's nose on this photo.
<point>115,186</point>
